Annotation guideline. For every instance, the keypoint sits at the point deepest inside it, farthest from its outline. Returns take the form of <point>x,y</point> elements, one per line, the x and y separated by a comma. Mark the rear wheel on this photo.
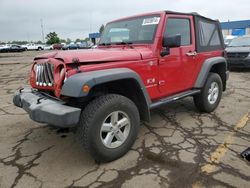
<point>108,127</point>
<point>210,96</point>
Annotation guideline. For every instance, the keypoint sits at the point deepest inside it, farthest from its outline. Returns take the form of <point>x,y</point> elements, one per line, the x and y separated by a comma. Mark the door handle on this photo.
<point>191,53</point>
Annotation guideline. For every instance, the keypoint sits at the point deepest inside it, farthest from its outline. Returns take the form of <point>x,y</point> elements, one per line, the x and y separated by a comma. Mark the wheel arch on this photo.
<point>121,81</point>
<point>216,65</point>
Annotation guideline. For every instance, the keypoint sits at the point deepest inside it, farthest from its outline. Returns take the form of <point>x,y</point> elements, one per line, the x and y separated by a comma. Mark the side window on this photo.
<point>179,26</point>
<point>208,34</point>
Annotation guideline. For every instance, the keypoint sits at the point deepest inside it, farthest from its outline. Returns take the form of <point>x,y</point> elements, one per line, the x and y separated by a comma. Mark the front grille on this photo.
<point>237,55</point>
<point>44,74</point>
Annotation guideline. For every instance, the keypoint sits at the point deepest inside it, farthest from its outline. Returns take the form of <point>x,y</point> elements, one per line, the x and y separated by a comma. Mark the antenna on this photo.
<point>42,30</point>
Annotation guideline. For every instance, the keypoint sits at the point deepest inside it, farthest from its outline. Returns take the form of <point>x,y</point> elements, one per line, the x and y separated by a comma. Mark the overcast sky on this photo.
<point>20,19</point>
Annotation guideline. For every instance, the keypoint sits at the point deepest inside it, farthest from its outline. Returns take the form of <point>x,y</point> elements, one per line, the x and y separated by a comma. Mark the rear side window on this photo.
<point>208,35</point>
<point>179,26</point>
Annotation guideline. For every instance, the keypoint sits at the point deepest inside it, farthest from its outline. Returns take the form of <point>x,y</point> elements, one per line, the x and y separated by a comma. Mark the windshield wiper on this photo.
<point>104,44</point>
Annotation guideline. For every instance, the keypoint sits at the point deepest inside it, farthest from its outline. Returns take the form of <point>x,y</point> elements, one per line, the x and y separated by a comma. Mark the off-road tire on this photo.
<point>201,100</point>
<point>91,120</point>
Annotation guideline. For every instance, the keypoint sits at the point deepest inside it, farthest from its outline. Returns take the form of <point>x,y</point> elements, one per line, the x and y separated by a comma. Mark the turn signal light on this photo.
<point>85,88</point>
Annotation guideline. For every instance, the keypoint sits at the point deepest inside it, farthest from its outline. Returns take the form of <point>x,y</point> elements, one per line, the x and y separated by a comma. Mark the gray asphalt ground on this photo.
<point>180,147</point>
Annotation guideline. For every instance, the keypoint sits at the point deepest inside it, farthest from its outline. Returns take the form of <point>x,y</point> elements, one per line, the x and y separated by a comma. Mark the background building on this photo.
<point>95,37</point>
<point>236,28</point>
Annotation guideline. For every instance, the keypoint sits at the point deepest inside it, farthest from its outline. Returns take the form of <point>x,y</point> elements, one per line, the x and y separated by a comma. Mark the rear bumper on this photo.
<point>43,109</point>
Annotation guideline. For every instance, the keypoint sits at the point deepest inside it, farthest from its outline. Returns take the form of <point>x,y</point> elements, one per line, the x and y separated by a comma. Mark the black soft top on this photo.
<point>195,14</point>
<point>205,41</point>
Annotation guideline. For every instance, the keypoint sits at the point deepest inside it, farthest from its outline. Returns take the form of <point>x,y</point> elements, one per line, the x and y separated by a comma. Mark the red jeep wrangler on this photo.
<point>141,62</point>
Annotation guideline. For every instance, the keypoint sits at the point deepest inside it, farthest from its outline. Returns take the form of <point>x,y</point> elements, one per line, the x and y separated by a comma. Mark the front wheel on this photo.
<point>108,127</point>
<point>210,96</point>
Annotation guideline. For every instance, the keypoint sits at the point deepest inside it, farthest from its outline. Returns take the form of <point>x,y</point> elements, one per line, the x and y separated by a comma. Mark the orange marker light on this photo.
<point>85,88</point>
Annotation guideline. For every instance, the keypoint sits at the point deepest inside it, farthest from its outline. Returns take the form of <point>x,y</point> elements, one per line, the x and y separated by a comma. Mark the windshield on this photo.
<point>135,30</point>
<point>238,42</point>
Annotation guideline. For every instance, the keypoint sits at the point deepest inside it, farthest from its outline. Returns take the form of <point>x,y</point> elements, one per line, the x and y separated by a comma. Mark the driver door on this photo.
<point>176,70</point>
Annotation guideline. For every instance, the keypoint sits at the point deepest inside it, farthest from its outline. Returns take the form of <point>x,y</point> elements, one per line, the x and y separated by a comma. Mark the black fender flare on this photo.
<point>74,84</point>
<point>205,69</point>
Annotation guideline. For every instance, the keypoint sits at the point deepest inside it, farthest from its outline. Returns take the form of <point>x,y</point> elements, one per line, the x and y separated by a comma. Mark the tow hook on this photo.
<point>39,100</point>
<point>21,89</point>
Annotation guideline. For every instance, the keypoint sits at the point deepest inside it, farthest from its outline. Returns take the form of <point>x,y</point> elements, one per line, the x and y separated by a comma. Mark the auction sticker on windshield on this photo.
<point>151,21</point>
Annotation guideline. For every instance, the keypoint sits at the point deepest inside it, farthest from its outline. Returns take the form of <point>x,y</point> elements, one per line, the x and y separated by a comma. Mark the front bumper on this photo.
<point>238,63</point>
<point>44,109</point>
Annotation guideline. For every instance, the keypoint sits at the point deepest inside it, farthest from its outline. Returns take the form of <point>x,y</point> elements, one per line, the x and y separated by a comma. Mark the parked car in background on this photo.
<point>12,48</point>
<point>71,46</point>
<point>74,46</point>
<point>238,52</point>
<point>32,46</point>
<point>57,46</point>
<point>4,46</point>
<point>94,46</point>
<point>83,45</point>
<point>228,39</point>
<point>48,47</point>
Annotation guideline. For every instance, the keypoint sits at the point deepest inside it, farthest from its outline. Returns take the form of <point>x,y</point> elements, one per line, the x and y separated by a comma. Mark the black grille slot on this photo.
<point>237,55</point>
<point>44,74</point>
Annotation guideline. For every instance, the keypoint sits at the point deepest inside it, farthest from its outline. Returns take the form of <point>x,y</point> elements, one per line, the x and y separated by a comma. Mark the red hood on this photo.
<point>99,55</point>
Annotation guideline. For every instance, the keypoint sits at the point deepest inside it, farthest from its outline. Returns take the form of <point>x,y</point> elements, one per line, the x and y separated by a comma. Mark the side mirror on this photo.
<point>172,42</point>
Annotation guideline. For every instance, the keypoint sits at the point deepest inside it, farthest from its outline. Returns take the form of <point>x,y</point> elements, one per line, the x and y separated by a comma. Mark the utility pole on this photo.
<point>42,30</point>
